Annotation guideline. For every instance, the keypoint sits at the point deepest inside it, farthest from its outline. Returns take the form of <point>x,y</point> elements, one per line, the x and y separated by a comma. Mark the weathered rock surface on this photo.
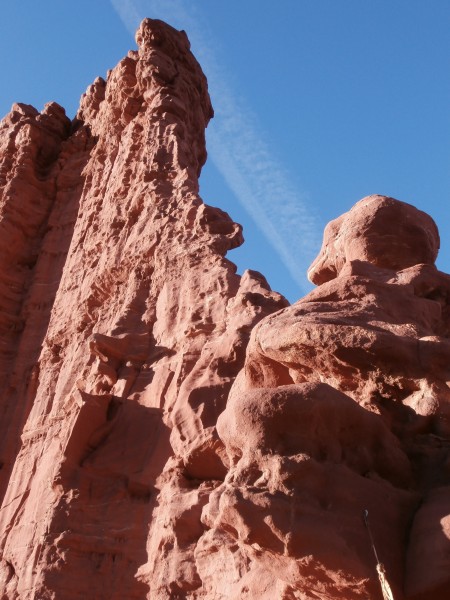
<point>172,430</point>
<point>123,329</point>
<point>343,406</point>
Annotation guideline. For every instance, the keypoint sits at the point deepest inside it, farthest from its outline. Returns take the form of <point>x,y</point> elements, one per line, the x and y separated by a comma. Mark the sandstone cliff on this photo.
<point>170,429</point>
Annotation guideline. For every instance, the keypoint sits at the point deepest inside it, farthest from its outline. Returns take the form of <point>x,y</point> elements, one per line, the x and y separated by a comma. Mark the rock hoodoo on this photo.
<point>343,406</point>
<point>171,429</point>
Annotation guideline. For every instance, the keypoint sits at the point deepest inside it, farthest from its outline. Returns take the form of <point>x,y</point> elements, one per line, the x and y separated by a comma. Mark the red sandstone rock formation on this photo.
<point>129,469</point>
<point>343,406</point>
<point>123,329</point>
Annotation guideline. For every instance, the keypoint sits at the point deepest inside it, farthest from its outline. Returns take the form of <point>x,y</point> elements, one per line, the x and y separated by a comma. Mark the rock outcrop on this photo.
<point>173,430</point>
<point>343,406</point>
<point>123,329</point>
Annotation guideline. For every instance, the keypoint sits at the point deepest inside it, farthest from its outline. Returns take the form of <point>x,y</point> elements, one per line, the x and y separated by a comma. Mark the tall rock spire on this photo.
<point>125,326</point>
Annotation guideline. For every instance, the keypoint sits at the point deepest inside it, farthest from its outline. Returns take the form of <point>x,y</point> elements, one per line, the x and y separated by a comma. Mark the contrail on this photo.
<point>237,146</point>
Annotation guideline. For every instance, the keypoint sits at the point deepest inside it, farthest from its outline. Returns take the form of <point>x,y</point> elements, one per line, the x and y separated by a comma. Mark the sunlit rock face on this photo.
<point>173,430</point>
<point>123,327</point>
<point>343,406</point>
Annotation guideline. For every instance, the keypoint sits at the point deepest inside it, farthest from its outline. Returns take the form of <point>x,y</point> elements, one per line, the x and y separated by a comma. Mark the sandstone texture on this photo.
<point>343,406</point>
<point>173,430</point>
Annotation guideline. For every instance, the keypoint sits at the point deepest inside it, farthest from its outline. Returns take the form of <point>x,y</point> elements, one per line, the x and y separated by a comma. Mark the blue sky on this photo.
<point>318,103</point>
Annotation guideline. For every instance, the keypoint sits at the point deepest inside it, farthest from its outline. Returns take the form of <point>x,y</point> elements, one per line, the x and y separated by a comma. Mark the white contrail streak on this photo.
<point>237,146</point>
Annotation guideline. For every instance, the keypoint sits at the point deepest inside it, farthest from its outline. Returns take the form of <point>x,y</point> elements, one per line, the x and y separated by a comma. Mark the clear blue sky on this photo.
<point>318,103</point>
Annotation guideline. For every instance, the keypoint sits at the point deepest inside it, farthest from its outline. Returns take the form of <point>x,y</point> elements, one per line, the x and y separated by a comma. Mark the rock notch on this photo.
<point>173,430</point>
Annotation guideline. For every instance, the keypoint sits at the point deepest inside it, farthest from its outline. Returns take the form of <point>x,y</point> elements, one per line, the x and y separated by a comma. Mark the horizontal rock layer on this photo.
<point>173,430</point>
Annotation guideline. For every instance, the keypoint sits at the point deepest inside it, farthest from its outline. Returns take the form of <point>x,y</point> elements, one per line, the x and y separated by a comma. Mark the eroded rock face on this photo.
<point>123,329</point>
<point>173,430</point>
<point>343,406</point>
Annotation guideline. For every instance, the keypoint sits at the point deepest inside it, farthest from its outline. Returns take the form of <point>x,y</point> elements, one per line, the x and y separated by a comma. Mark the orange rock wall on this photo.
<point>172,430</point>
<point>123,328</point>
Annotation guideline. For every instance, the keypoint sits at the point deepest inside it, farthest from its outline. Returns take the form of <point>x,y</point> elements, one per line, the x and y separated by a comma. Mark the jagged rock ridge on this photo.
<point>129,468</point>
<point>124,323</point>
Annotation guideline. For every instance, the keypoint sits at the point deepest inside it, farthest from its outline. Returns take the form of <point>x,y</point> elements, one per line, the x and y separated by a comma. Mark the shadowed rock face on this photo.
<point>173,430</point>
